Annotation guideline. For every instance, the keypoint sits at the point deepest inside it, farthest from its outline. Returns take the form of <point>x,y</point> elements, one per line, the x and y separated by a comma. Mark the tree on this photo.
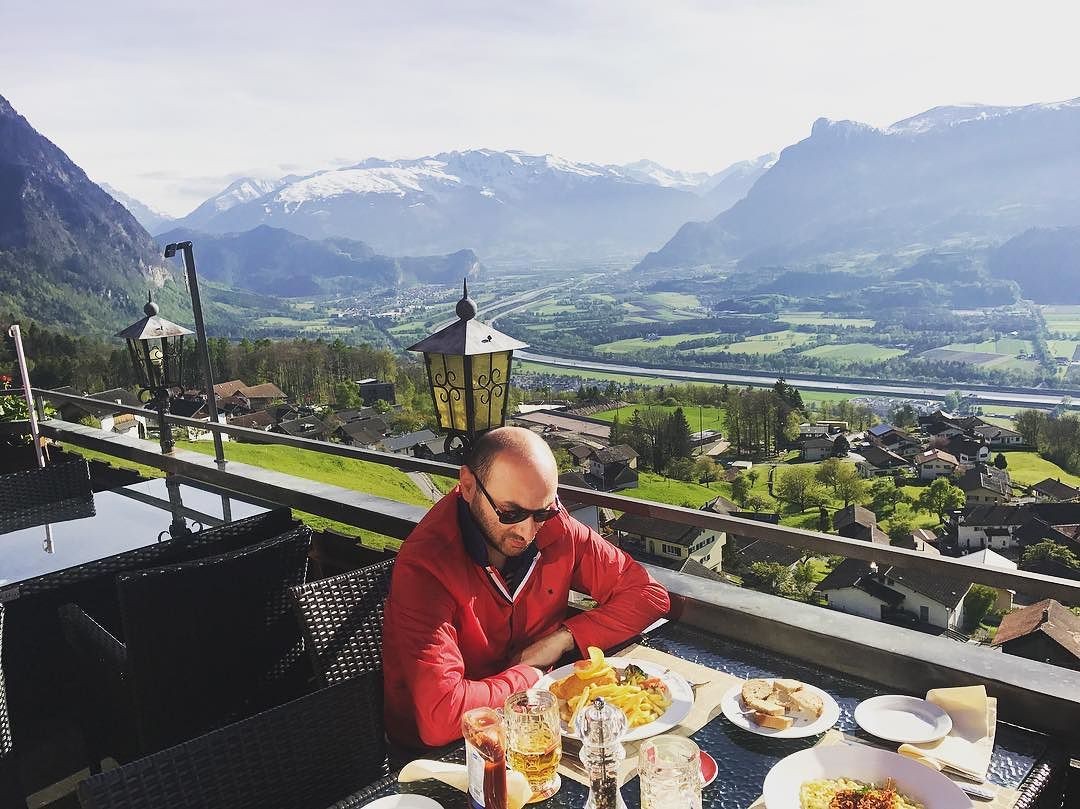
<point>680,469</point>
<point>904,416</point>
<point>884,494</point>
<point>679,443</point>
<point>849,486</point>
<point>827,472</point>
<point>771,577</point>
<point>900,526</point>
<point>1000,461</point>
<point>563,459</point>
<point>1050,550</point>
<point>705,469</point>
<point>824,521</point>
<point>347,395</point>
<point>740,490</point>
<point>753,475</point>
<point>798,489</point>
<point>979,600</point>
<point>382,406</point>
<point>841,446</point>
<point>757,503</point>
<point>941,497</point>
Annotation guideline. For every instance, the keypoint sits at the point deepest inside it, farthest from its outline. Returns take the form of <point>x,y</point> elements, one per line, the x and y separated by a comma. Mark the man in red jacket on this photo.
<point>477,604</point>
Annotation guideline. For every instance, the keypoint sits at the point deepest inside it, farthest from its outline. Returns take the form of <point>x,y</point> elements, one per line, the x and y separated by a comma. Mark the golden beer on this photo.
<point>534,740</point>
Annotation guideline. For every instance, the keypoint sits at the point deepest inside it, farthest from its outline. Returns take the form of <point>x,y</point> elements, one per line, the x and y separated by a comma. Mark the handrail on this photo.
<point>1034,584</point>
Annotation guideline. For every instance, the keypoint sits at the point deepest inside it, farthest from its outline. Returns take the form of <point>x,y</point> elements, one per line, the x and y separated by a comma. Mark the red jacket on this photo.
<point>449,631</point>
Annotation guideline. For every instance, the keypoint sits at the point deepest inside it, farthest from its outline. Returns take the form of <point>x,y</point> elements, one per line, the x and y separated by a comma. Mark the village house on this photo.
<point>943,430</point>
<point>935,463</point>
<point>968,451</point>
<point>989,558</point>
<point>817,449</point>
<point>1046,631</point>
<point>129,424</point>
<point>362,432</point>
<point>1053,490</point>
<point>985,484</point>
<point>613,468</point>
<point>407,444</point>
<point>895,440</point>
<point>372,391</point>
<point>877,462</point>
<point>857,522</point>
<point>998,437</point>
<point>859,588</point>
<point>669,542</point>
<point>310,427</point>
<point>258,396</point>
<point>1013,525</point>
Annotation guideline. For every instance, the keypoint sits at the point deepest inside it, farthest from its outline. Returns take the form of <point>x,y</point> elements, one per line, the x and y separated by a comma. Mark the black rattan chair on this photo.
<point>342,618</point>
<point>60,491</point>
<point>302,755</point>
<point>10,789</point>
<point>203,643</point>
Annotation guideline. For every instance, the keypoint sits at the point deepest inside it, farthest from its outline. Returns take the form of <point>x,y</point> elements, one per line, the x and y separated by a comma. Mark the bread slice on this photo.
<point>784,686</point>
<point>757,695</point>
<point>769,721</point>
<point>807,705</point>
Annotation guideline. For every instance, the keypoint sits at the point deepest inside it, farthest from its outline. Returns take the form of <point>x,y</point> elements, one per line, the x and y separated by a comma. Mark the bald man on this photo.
<point>477,605</point>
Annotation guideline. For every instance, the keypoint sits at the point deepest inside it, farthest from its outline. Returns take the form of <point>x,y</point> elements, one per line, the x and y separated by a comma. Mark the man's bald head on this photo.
<point>511,442</point>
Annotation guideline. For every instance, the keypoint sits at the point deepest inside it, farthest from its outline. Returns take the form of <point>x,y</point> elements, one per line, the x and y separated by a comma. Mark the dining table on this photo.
<point>1028,762</point>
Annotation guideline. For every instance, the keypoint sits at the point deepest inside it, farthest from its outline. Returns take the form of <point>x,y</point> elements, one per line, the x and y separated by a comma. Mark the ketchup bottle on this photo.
<point>485,757</point>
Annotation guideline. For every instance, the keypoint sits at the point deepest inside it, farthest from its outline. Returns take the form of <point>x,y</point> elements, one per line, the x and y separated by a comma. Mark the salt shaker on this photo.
<point>601,727</point>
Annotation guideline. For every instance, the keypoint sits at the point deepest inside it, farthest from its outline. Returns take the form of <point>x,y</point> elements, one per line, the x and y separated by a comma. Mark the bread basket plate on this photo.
<point>682,696</point>
<point>732,706</point>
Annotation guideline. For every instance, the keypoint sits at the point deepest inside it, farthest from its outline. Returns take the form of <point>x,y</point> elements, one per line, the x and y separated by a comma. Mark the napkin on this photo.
<point>969,744</point>
<point>518,791</point>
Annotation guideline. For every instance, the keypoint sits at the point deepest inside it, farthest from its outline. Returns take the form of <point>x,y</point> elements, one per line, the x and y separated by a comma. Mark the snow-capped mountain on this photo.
<point>501,203</point>
<point>646,171</point>
<point>949,176</point>
<point>146,216</point>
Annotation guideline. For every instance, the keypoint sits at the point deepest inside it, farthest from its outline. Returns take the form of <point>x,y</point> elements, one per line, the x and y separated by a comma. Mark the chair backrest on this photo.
<point>305,754</point>
<point>212,640</point>
<point>342,618</point>
<point>23,495</point>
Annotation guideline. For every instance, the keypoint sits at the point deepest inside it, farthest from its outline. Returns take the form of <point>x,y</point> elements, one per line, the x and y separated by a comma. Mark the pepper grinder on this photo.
<point>601,727</point>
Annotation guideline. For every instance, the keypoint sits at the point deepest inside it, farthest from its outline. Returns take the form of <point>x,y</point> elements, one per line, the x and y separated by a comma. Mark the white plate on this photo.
<point>682,696</point>
<point>869,765</point>
<point>733,708</point>
<point>897,718</point>
<point>404,801</point>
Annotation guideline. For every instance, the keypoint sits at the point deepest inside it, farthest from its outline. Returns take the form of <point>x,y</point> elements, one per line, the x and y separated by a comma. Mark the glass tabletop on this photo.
<point>69,533</point>
<point>743,758</point>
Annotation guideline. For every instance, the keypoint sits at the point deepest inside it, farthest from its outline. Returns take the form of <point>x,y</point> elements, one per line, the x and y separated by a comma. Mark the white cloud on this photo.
<point>161,101</point>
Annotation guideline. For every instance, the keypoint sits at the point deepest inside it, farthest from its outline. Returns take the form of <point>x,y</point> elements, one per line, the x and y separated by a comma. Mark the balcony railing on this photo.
<point>1031,694</point>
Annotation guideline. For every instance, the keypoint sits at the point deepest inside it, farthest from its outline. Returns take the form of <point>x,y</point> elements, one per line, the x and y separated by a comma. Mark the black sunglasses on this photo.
<point>519,514</point>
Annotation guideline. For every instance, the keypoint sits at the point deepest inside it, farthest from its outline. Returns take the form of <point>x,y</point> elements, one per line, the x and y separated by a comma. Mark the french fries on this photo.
<point>641,704</point>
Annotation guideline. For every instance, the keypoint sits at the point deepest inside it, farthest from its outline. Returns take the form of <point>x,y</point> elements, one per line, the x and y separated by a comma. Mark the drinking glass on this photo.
<point>670,772</point>
<point>534,740</point>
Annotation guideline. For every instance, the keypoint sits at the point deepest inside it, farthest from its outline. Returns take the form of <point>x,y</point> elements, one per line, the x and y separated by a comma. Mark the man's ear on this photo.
<point>468,483</point>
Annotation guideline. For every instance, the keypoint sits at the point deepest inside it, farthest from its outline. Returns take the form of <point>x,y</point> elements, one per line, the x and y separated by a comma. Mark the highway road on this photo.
<point>987,395</point>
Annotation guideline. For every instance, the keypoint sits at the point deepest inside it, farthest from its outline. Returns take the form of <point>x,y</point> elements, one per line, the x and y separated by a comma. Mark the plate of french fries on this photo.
<point>653,698</point>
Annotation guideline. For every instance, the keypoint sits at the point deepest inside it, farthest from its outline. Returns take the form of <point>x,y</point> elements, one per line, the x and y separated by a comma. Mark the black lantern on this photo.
<point>156,349</point>
<point>468,368</point>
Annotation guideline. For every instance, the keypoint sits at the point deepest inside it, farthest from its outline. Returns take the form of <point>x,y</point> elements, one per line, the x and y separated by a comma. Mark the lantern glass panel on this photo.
<point>446,373</point>
<point>490,373</point>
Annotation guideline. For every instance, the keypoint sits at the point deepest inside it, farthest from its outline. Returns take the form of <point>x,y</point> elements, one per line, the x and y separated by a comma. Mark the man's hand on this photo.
<point>547,651</point>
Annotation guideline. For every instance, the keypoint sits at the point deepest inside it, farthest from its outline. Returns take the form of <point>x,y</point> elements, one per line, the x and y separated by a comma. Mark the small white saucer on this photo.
<point>897,718</point>
<point>404,801</point>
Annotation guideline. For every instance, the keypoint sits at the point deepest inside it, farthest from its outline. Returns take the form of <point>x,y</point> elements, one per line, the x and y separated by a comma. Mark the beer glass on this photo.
<point>534,740</point>
<point>670,772</point>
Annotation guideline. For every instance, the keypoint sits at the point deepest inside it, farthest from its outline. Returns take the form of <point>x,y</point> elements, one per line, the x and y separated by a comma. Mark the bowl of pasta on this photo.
<point>653,698</point>
<point>855,776</point>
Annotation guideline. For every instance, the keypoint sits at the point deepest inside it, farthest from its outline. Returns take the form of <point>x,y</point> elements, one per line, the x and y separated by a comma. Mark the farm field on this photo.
<point>1062,319</point>
<point>1063,348</point>
<point>640,343</point>
<point>674,300</point>
<point>821,319</point>
<point>710,418</point>
<point>770,343</point>
<point>854,352</point>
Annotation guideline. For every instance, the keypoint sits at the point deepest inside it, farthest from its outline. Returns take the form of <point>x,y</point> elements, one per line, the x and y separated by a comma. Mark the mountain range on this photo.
<point>502,204</point>
<point>70,254</point>
<point>278,262</point>
<point>952,176</point>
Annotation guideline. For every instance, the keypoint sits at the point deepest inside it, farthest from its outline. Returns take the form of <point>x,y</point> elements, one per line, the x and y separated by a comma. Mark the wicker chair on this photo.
<point>302,755</point>
<point>10,790</point>
<point>341,618</point>
<point>205,642</point>
<point>61,488</point>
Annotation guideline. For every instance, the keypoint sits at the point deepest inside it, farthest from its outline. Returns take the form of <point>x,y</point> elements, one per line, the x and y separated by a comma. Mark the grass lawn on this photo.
<point>554,309</point>
<point>821,319</point>
<point>1063,348</point>
<point>640,343</point>
<point>711,418</point>
<point>854,352</point>
<point>674,300</point>
<point>673,492</point>
<point>1006,345</point>
<point>1027,468</point>
<point>1064,319</point>
<point>770,343</point>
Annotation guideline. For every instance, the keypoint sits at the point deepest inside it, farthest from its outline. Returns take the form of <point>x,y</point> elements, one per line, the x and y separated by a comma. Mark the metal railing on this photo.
<point>397,519</point>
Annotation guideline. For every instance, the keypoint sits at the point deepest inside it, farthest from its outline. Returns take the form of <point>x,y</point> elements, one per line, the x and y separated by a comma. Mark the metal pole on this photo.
<point>16,335</point>
<point>200,332</point>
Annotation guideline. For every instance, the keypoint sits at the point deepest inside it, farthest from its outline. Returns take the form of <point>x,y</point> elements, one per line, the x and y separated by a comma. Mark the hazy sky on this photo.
<point>170,101</point>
